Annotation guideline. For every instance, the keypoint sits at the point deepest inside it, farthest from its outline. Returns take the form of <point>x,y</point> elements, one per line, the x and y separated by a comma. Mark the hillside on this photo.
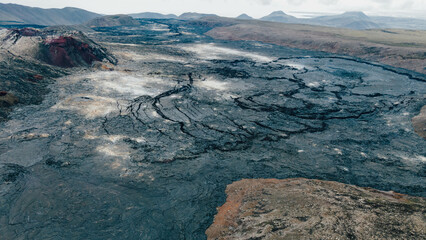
<point>351,20</point>
<point>399,48</point>
<point>112,21</point>
<point>312,209</point>
<point>17,14</point>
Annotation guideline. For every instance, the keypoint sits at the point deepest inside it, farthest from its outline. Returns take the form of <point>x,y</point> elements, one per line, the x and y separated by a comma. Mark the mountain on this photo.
<point>280,16</point>
<point>352,20</point>
<point>244,17</point>
<point>11,14</point>
<point>402,23</point>
<point>193,16</point>
<point>112,21</point>
<point>153,15</point>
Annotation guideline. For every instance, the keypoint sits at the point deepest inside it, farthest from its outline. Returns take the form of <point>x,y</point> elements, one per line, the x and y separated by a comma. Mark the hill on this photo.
<point>280,16</point>
<point>399,48</point>
<point>112,21</point>
<point>11,14</point>
<point>350,20</point>
<point>244,17</point>
<point>401,23</point>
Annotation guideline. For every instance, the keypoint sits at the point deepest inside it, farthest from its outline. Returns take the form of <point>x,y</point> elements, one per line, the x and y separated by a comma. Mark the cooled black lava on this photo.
<point>146,151</point>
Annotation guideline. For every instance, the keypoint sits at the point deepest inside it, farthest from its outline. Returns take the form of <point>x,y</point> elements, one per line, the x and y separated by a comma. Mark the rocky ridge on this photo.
<point>54,47</point>
<point>314,209</point>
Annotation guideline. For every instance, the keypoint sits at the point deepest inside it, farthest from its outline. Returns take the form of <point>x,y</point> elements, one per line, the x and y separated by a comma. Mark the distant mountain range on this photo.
<point>13,14</point>
<point>184,16</point>
<point>351,20</point>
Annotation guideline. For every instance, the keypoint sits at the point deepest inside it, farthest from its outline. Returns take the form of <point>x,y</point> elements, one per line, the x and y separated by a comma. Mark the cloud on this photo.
<point>296,2</point>
<point>265,2</point>
<point>383,1</point>
<point>329,2</point>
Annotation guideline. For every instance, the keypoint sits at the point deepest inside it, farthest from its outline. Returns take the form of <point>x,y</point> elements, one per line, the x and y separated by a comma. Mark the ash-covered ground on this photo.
<point>146,149</point>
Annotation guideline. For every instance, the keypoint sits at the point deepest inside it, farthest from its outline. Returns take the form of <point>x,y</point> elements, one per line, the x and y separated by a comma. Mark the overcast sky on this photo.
<point>232,8</point>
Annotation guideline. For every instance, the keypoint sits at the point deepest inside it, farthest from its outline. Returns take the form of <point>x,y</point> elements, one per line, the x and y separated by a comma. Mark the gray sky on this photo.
<point>232,8</point>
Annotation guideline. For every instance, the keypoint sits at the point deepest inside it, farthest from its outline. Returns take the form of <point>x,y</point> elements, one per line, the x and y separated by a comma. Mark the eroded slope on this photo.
<point>313,209</point>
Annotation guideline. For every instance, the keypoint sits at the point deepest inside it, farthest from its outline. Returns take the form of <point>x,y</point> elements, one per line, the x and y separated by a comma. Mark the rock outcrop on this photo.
<point>55,47</point>
<point>419,123</point>
<point>313,209</point>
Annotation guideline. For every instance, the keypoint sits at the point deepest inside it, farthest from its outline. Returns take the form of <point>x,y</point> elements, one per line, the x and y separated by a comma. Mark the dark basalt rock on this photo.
<point>132,155</point>
<point>11,172</point>
<point>7,99</point>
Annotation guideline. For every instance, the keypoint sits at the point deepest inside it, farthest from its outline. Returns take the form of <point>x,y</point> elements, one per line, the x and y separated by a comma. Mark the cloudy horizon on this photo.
<point>233,8</point>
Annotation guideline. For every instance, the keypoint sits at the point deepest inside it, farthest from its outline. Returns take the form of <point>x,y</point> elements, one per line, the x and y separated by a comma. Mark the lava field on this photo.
<point>145,149</point>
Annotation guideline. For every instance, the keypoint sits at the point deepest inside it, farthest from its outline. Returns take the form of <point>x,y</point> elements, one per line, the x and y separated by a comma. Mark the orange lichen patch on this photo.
<point>419,123</point>
<point>226,215</point>
<point>228,212</point>
<point>311,209</point>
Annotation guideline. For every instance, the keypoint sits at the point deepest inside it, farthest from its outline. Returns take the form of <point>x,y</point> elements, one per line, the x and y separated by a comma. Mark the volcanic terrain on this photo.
<point>144,147</point>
